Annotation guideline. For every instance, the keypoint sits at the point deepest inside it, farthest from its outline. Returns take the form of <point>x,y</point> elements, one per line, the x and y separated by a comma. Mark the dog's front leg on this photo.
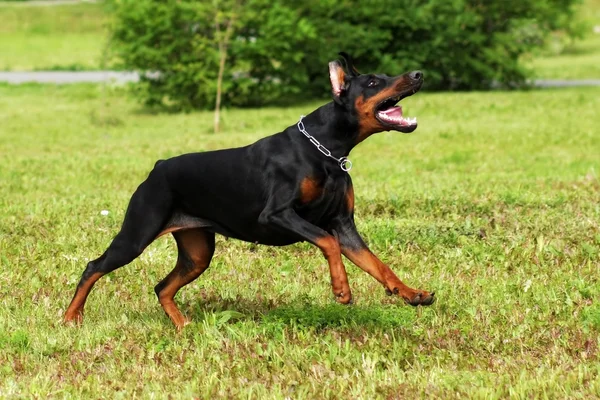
<point>288,220</point>
<point>355,249</point>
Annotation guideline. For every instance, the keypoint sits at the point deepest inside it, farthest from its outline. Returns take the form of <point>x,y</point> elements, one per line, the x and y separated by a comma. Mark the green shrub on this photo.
<point>280,49</point>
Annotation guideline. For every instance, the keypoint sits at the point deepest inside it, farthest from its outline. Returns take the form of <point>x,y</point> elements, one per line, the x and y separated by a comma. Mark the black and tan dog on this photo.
<point>286,188</point>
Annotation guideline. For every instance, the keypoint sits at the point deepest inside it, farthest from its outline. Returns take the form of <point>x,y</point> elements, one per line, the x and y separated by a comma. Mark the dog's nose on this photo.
<point>416,75</point>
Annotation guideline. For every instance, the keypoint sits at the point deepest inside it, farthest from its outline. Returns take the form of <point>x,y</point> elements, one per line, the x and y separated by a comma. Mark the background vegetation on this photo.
<point>279,49</point>
<point>564,57</point>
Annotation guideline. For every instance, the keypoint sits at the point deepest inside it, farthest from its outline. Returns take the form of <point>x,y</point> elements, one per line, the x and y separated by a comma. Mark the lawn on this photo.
<point>494,203</point>
<point>65,37</point>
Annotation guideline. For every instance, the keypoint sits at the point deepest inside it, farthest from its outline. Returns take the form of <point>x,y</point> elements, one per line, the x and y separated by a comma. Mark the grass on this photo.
<point>493,203</point>
<point>65,37</point>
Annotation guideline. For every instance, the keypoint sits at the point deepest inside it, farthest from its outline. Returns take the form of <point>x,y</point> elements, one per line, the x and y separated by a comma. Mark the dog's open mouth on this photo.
<point>389,113</point>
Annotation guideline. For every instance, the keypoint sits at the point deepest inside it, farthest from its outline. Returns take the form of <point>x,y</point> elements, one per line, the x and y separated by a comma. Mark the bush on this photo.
<point>279,50</point>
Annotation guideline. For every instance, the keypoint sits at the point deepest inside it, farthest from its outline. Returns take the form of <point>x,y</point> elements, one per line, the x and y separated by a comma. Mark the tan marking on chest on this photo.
<point>350,199</point>
<point>309,190</point>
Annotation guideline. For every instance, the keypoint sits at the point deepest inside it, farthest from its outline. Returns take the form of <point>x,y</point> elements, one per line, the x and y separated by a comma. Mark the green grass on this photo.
<point>65,37</point>
<point>494,203</point>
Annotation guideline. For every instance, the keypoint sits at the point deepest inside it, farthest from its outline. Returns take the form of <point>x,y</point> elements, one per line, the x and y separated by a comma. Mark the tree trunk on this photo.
<point>223,42</point>
<point>222,59</point>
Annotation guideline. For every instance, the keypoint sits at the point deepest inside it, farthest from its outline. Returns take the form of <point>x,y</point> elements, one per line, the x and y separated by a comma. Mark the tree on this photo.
<point>227,18</point>
<point>257,52</point>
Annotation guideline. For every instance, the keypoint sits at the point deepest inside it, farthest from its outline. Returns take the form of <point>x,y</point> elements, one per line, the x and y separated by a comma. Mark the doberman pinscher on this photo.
<point>289,187</point>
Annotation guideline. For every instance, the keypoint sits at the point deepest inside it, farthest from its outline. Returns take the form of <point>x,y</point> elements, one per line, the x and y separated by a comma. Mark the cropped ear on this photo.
<point>352,71</point>
<point>337,77</point>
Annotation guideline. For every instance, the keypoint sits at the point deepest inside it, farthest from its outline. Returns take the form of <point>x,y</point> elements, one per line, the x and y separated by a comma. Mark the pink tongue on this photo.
<point>395,111</point>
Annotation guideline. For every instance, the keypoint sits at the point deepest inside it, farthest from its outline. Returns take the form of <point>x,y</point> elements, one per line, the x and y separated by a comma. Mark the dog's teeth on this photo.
<point>401,120</point>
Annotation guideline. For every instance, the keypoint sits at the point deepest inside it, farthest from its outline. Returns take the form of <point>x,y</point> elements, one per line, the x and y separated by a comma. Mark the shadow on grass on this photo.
<point>300,313</point>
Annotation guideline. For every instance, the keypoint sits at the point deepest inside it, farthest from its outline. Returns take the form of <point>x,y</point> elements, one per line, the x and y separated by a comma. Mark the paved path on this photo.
<point>565,83</point>
<point>65,77</point>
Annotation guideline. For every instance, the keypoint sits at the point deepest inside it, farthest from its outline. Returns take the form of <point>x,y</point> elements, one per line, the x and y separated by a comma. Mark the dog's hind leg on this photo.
<point>196,248</point>
<point>149,208</point>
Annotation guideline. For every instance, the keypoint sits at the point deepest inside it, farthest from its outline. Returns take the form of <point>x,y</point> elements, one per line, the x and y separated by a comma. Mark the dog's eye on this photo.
<point>372,83</point>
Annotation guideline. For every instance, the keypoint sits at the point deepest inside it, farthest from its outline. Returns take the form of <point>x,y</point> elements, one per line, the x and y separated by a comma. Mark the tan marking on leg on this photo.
<point>339,279</point>
<point>369,263</point>
<point>75,310</point>
<point>195,253</point>
<point>167,295</point>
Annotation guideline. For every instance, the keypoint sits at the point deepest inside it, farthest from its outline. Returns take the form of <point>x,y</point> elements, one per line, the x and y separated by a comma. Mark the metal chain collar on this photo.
<point>343,162</point>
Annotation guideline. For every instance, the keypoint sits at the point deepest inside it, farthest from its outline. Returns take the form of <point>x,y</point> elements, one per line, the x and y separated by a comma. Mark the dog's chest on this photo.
<point>322,199</point>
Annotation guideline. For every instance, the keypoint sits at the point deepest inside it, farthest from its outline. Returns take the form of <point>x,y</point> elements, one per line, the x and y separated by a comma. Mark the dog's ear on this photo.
<point>353,72</point>
<point>337,76</point>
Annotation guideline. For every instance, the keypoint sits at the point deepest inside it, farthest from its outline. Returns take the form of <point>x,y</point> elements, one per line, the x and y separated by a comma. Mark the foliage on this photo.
<point>281,49</point>
<point>569,54</point>
<point>172,37</point>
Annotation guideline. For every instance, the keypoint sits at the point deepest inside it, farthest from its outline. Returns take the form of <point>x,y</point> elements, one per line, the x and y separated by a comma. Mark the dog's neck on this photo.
<point>334,127</point>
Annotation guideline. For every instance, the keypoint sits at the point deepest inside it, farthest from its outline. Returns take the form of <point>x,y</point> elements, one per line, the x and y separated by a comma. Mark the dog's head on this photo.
<point>373,98</point>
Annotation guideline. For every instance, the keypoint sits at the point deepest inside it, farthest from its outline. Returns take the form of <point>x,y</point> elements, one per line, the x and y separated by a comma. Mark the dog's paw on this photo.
<point>344,298</point>
<point>421,299</point>
<point>73,318</point>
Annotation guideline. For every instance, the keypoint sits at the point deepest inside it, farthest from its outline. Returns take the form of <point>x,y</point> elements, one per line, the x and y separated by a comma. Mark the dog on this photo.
<point>286,188</point>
